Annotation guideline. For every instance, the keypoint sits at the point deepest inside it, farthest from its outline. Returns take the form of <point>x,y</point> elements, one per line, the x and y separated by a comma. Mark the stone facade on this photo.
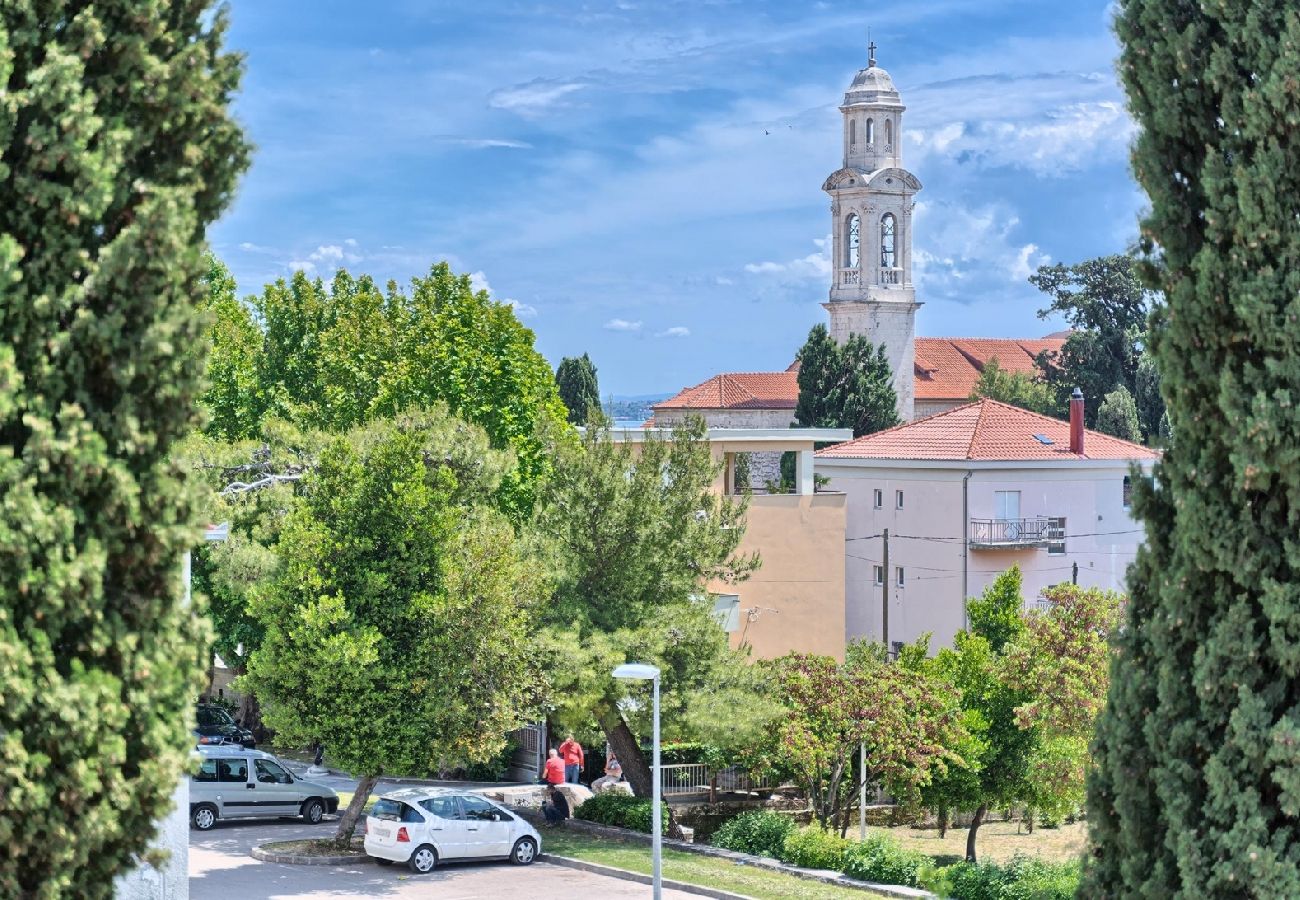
<point>892,324</point>
<point>727,418</point>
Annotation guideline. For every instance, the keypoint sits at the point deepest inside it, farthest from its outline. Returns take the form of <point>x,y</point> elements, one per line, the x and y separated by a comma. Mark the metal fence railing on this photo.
<point>697,778</point>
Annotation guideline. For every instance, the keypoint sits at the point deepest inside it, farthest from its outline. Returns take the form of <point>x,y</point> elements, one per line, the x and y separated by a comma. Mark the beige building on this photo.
<point>795,601</point>
<point>961,496</point>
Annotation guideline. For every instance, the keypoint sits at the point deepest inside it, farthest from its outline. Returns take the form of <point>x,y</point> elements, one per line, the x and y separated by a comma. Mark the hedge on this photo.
<point>880,859</point>
<point>622,811</point>
<point>1024,878</point>
<point>814,848</point>
<point>760,832</point>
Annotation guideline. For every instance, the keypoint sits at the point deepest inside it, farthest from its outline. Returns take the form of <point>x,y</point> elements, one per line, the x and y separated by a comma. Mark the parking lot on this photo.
<point>221,868</point>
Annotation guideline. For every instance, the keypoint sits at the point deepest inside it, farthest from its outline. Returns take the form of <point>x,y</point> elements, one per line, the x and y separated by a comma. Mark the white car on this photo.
<point>424,826</point>
<point>234,782</point>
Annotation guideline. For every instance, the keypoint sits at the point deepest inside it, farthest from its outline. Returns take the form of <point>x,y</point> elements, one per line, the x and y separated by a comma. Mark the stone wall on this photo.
<point>892,323</point>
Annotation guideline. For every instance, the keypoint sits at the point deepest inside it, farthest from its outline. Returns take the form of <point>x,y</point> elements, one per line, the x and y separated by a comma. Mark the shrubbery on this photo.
<point>622,811</point>
<point>880,859</point>
<point>1024,878</point>
<point>814,848</point>
<point>760,832</point>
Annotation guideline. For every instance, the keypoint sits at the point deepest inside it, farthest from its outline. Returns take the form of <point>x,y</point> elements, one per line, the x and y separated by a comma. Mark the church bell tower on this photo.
<point>871,228</point>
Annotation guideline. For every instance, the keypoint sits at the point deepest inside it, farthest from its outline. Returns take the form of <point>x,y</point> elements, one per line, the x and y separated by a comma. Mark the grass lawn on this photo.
<point>345,799</point>
<point>996,842</point>
<point>688,867</point>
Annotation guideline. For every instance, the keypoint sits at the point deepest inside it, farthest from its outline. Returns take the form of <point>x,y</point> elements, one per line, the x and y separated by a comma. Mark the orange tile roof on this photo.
<point>739,390</point>
<point>985,430</point>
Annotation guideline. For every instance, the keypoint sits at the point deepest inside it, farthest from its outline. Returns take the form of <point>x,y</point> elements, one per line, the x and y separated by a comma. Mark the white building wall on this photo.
<point>171,882</point>
<point>928,538</point>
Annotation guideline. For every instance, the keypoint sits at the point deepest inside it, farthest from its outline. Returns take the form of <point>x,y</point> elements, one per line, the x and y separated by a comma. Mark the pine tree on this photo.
<point>116,151</point>
<point>1196,793</point>
<point>845,386</point>
<point>1118,415</point>
<point>576,379</point>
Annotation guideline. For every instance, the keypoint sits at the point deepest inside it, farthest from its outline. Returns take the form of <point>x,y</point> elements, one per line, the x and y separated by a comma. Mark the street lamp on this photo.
<point>644,672</point>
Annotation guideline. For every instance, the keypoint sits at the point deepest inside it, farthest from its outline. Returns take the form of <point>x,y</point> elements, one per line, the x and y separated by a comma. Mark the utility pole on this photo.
<point>1074,578</point>
<point>884,597</point>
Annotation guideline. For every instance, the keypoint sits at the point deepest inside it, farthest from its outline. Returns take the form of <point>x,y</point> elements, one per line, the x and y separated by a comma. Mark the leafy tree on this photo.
<point>1118,416</point>
<point>576,379</point>
<point>1016,388</point>
<point>116,151</point>
<point>397,591</point>
<point>1150,405</point>
<point>1061,660</point>
<point>1196,788</point>
<point>845,386</point>
<point>1106,306</point>
<point>634,535</point>
<point>232,399</point>
<point>906,719</point>
<point>996,614</point>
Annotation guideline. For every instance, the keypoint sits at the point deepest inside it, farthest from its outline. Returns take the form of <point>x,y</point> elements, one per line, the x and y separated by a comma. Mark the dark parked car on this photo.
<point>216,727</point>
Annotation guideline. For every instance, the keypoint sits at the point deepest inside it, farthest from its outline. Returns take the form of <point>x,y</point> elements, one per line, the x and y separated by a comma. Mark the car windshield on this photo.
<point>213,716</point>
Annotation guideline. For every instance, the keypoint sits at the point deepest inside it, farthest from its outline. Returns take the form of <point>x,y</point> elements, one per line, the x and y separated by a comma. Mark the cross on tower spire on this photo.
<point>871,57</point>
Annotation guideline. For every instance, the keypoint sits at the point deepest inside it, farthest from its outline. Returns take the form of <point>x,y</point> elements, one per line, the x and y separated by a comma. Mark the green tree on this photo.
<point>232,400</point>
<point>906,720</point>
<point>1118,416</point>
<point>1198,772</point>
<point>576,380</point>
<point>845,386</point>
<point>1106,306</point>
<point>995,615</point>
<point>117,150</point>
<point>397,591</point>
<point>1150,405</point>
<point>635,534</point>
<point>1016,388</point>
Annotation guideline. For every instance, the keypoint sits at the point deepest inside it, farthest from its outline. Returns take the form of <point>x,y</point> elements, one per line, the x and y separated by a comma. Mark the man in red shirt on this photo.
<point>553,769</point>
<point>571,753</point>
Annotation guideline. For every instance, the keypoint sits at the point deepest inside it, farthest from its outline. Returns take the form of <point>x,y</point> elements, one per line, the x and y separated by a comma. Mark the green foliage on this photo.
<point>1197,786</point>
<point>1024,878</point>
<point>1016,388</point>
<point>880,859</point>
<point>758,831</point>
<point>845,386</point>
<point>1150,405</point>
<point>117,151</point>
<point>622,811</point>
<point>995,616</point>
<point>232,400</point>
<point>1118,416</point>
<point>815,848</point>
<point>579,390</point>
<point>1106,306</point>
<point>397,590</point>
<point>906,718</point>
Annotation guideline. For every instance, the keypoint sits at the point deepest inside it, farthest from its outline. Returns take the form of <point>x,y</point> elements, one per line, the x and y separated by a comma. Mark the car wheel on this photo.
<point>313,811</point>
<point>203,817</point>
<point>525,851</point>
<point>423,860</point>
<point>381,861</point>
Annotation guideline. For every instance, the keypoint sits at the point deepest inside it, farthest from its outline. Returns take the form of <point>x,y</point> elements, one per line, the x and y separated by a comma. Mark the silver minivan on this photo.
<point>233,782</point>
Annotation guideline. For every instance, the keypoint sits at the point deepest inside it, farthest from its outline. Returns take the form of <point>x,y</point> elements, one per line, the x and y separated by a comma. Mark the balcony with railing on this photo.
<point>891,276</point>
<point>850,277</point>
<point>1010,534</point>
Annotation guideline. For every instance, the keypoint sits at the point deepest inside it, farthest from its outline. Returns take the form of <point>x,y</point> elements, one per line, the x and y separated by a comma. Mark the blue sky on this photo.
<point>604,165</point>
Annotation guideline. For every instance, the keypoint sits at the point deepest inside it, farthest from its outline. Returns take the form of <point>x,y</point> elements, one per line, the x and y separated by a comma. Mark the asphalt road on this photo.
<point>221,868</point>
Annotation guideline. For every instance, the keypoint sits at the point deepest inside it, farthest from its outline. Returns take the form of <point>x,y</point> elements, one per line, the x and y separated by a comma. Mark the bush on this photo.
<point>760,832</point>
<point>621,811</point>
<point>679,753</point>
<point>880,859</point>
<point>1023,878</point>
<point>815,848</point>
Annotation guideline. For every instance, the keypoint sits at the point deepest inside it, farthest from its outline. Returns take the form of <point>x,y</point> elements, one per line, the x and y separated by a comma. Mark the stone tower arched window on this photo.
<point>889,133</point>
<point>888,256</point>
<point>871,131</point>
<point>852,241</point>
<point>853,132</point>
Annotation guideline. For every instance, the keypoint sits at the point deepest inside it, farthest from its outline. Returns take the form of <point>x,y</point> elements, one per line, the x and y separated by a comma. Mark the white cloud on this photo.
<point>304,265</point>
<point>249,247</point>
<point>622,325</point>
<point>814,266</point>
<point>482,143</point>
<point>522,310</point>
<point>351,242</point>
<point>963,252</point>
<point>327,253</point>
<point>534,98</point>
<point>478,282</point>
<point>723,281</point>
<point>1027,261</point>
<point>677,331</point>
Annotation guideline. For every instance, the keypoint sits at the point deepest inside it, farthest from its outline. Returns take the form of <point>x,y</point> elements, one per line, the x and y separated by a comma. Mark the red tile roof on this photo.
<point>946,369</point>
<point>739,390</point>
<point>985,430</point>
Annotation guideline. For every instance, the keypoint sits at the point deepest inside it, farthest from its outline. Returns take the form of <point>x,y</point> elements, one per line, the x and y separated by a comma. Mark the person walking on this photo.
<point>574,759</point>
<point>613,774</point>
<point>556,809</point>
<point>553,769</point>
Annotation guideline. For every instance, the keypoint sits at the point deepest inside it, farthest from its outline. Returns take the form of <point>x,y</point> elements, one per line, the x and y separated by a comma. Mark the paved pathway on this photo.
<point>222,869</point>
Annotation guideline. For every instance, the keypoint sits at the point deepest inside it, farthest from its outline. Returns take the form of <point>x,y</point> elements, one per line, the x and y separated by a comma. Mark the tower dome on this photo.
<point>872,86</point>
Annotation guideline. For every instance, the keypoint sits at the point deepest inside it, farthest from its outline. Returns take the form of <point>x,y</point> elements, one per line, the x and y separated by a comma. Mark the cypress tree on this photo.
<point>576,380</point>
<point>116,151</point>
<point>1197,787</point>
<point>1118,416</point>
<point>845,386</point>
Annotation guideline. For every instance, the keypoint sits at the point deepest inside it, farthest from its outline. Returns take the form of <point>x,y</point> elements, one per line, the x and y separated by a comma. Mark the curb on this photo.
<point>625,875</point>
<point>260,852</point>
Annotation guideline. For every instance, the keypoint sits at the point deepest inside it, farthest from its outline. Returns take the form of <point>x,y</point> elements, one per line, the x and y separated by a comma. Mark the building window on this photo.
<point>898,576</point>
<point>889,133</point>
<point>726,610</point>
<point>880,499</point>
<point>1056,536</point>
<point>871,131</point>
<point>1128,492</point>
<point>853,132</point>
<point>1006,505</point>
<point>898,499</point>
<point>888,258</point>
<point>879,572</point>
<point>853,241</point>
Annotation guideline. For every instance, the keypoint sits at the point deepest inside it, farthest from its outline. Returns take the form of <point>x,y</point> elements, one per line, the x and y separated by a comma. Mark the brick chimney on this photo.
<point>1076,422</point>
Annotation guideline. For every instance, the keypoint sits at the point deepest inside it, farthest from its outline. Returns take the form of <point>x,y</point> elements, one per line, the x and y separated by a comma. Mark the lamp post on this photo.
<point>644,672</point>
